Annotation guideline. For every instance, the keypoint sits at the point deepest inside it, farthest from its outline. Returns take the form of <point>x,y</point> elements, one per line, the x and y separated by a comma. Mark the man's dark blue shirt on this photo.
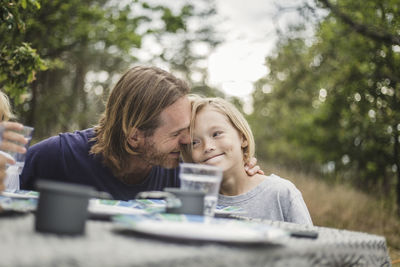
<point>67,158</point>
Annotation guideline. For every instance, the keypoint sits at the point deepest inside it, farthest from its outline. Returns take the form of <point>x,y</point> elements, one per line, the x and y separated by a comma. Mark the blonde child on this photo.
<point>222,137</point>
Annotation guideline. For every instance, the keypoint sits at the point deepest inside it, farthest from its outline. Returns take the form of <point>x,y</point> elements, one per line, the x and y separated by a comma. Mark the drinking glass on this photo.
<point>13,171</point>
<point>204,178</point>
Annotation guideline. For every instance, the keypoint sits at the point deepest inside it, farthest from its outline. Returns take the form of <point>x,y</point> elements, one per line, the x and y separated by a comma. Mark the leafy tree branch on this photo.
<point>370,31</point>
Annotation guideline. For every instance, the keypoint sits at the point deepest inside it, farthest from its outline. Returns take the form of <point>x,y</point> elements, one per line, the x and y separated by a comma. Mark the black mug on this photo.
<point>62,207</point>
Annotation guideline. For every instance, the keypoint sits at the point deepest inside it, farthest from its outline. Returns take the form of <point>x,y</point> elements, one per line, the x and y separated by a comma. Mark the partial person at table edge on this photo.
<point>134,147</point>
<point>222,137</point>
<point>8,137</point>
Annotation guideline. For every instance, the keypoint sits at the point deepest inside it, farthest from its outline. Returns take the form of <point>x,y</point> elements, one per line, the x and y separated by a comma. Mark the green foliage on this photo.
<point>18,68</point>
<point>10,13</point>
<point>331,104</point>
<point>19,62</point>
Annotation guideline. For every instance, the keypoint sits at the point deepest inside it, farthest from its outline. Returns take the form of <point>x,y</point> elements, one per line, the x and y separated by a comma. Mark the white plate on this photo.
<point>96,207</point>
<point>199,228</point>
<point>20,194</point>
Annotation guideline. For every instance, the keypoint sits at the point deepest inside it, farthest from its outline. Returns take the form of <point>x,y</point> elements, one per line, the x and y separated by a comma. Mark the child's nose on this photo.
<point>209,146</point>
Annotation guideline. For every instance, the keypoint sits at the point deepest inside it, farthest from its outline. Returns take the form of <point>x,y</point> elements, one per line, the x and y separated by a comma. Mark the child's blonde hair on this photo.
<point>5,108</point>
<point>231,112</point>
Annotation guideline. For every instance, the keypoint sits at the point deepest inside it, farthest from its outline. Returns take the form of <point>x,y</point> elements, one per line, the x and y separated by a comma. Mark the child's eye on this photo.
<point>195,143</point>
<point>217,133</point>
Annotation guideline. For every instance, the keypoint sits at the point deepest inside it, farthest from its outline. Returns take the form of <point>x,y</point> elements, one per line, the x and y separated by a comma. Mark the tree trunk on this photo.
<point>397,163</point>
<point>30,118</point>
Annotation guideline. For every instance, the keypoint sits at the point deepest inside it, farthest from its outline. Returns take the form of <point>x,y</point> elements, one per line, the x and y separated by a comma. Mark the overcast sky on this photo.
<point>249,30</point>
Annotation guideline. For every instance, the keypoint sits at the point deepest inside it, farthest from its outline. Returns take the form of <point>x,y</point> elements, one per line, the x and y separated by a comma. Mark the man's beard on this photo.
<point>155,157</point>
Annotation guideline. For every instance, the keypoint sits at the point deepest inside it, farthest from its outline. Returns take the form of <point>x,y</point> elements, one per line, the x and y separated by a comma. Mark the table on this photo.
<point>101,245</point>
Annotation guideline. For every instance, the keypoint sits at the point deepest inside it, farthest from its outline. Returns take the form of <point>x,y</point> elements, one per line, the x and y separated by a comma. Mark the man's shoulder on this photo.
<point>71,138</point>
<point>61,143</point>
<point>49,144</point>
<point>83,135</point>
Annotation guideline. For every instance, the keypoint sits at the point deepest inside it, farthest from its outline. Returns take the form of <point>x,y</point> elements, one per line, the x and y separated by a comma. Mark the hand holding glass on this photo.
<point>204,178</point>
<point>12,138</point>
<point>14,141</point>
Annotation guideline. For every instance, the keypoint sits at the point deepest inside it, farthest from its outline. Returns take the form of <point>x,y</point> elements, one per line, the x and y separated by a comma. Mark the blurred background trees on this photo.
<point>331,103</point>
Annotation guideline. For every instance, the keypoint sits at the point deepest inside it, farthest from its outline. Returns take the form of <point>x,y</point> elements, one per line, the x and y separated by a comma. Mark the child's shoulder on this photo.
<point>278,182</point>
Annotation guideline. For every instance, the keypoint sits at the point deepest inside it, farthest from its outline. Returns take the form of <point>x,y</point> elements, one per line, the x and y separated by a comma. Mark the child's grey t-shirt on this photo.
<point>273,199</point>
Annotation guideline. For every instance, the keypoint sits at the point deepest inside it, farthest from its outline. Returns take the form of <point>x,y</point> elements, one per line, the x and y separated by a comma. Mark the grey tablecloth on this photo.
<point>20,245</point>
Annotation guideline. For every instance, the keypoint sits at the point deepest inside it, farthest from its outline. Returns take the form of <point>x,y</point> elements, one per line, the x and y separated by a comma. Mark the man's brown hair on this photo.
<point>136,101</point>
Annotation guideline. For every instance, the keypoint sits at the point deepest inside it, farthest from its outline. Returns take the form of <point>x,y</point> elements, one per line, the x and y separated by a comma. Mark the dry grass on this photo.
<point>342,207</point>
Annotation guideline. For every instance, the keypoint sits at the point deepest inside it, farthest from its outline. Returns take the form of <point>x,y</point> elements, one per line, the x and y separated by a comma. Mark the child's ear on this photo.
<point>135,138</point>
<point>244,142</point>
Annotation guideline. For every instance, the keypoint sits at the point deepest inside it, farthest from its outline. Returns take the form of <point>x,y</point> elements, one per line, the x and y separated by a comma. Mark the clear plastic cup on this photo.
<point>203,178</point>
<point>13,171</point>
